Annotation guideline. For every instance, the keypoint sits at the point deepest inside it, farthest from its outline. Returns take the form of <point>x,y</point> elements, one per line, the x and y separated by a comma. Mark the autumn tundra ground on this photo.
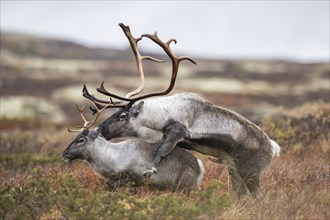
<point>36,184</point>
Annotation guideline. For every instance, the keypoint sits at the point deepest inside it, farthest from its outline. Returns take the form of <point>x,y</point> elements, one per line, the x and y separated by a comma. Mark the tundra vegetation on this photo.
<point>288,100</point>
<point>36,183</point>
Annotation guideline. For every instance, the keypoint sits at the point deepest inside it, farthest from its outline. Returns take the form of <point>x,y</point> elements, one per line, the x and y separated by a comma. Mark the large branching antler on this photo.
<point>139,59</point>
<point>127,101</point>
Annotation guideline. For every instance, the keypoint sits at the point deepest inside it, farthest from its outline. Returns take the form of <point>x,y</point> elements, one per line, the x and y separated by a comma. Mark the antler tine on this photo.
<point>80,110</point>
<point>92,98</point>
<point>166,47</point>
<point>86,94</point>
<point>88,123</point>
<point>95,101</point>
<point>102,90</point>
<point>175,65</point>
<point>139,59</point>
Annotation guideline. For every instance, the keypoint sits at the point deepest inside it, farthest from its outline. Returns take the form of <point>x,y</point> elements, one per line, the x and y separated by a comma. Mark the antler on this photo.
<point>127,101</point>
<point>138,58</point>
<point>87,123</point>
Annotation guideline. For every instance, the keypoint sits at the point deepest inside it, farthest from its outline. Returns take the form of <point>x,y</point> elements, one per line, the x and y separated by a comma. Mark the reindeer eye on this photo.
<point>81,140</point>
<point>122,117</point>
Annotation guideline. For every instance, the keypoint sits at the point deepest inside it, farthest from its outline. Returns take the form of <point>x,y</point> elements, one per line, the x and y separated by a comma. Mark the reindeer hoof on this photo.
<point>149,171</point>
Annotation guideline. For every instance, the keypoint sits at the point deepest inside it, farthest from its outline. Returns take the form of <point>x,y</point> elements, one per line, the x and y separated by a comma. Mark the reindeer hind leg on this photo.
<point>238,183</point>
<point>251,179</point>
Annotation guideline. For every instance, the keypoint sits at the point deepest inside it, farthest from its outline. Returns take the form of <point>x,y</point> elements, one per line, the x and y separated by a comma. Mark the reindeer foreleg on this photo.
<point>174,132</point>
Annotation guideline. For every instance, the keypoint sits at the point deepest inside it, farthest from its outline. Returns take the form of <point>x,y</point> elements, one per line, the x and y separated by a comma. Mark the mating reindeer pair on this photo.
<point>161,125</point>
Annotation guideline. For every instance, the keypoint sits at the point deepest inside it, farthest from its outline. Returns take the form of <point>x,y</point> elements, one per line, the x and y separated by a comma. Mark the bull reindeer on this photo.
<point>188,121</point>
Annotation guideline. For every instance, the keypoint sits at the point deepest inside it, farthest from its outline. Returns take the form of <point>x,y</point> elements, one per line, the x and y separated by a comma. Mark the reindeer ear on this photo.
<point>93,134</point>
<point>135,110</point>
<point>140,106</point>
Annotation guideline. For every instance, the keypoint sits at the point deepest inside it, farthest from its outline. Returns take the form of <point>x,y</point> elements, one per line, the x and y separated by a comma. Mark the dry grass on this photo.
<point>296,183</point>
<point>296,188</point>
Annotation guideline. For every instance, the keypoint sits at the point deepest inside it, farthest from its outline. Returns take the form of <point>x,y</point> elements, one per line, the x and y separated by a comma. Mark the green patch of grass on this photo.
<point>63,195</point>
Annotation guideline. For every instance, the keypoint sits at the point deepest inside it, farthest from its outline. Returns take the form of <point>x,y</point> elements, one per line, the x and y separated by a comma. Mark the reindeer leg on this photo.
<point>250,169</point>
<point>254,185</point>
<point>237,181</point>
<point>174,133</point>
<point>251,179</point>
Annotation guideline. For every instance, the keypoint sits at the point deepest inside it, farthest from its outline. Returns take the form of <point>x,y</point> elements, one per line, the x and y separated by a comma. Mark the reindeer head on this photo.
<point>119,124</point>
<point>77,149</point>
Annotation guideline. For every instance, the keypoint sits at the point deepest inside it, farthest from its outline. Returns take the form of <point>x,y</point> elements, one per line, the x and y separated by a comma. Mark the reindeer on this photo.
<point>187,121</point>
<point>122,160</point>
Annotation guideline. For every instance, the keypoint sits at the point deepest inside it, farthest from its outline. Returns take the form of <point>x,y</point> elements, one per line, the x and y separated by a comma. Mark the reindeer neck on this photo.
<point>112,157</point>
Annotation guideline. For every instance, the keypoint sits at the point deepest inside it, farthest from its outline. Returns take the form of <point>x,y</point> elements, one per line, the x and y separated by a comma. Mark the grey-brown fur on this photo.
<point>188,121</point>
<point>125,160</point>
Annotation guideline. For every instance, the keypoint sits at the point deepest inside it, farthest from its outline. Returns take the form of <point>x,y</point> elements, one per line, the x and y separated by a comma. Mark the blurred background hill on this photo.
<point>42,78</point>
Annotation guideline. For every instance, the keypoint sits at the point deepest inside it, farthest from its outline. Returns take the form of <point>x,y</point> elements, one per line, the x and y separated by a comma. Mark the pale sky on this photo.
<point>297,30</point>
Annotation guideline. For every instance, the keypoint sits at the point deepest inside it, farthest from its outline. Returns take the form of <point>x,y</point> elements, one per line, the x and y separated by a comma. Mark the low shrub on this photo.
<point>300,129</point>
<point>58,194</point>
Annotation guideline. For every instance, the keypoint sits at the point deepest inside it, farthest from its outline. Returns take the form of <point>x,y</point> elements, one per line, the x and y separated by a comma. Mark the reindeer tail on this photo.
<point>275,148</point>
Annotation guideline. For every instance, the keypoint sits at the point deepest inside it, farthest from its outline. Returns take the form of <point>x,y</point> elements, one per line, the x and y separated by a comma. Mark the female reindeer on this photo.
<point>123,160</point>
